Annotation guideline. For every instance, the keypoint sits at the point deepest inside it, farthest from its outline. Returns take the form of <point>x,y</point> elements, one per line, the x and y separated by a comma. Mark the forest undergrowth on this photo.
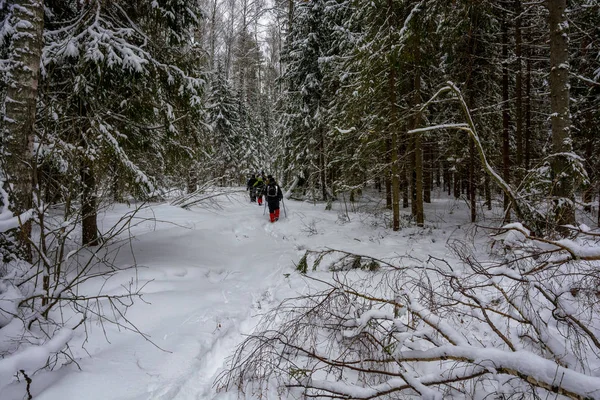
<point>504,313</point>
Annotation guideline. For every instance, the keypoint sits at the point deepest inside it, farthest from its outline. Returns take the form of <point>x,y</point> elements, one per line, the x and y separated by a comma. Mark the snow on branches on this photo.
<point>106,36</point>
<point>522,323</point>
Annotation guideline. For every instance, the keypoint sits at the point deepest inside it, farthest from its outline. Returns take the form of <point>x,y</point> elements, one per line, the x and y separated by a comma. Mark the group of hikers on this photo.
<point>267,186</point>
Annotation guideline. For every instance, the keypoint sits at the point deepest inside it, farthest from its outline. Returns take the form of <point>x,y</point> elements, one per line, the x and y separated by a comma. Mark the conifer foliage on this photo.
<point>355,83</point>
<point>492,102</point>
<point>104,102</point>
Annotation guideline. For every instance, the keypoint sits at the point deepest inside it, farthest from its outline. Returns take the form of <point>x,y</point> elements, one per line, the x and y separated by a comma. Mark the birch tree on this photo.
<point>24,25</point>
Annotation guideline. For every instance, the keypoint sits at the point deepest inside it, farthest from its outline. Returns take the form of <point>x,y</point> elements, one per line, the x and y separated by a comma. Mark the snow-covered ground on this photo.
<point>210,272</point>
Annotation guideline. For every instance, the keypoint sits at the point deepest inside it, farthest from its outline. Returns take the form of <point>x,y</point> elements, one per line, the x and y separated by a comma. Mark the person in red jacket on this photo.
<point>273,196</point>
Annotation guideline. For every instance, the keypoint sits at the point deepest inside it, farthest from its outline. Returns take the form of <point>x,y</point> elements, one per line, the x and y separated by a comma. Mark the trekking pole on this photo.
<point>284,211</point>
<point>265,209</point>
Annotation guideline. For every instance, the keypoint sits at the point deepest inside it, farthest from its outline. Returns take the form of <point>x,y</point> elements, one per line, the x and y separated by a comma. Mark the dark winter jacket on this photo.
<point>250,183</point>
<point>273,187</point>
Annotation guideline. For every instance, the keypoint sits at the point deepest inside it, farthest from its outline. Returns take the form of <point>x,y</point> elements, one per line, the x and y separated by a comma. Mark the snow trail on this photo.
<point>210,272</point>
<point>207,274</point>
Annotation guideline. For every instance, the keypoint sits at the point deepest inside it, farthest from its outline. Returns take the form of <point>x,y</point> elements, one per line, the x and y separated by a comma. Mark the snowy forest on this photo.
<point>440,229</point>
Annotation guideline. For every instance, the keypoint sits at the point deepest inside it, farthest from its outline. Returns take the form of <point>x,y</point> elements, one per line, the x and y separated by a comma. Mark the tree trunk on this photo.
<point>518,85</point>
<point>20,110</point>
<point>456,180</point>
<point>488,192</point>
<point>412,176</point>
<point>115,186</point>
<point>588,193</point>
<point>472,179</point>
<point>562,188</point>
<point>394,150</point>
<point>213,35</point>
<point>322,164</point>
<point>419,213</point>
<point>436,163</point>
<point>388,174</point>
<point>418,139</point>
<point>230,41</point>
<point>473,176</point>
<point>89,226</point>
<point>290,14</point>
<point>192,178</point>
<point>505,118</point>
<point>405,189</point>
<point>394,130</point>
<point>427,174</point>
<point>447,177</point>
<point>89,212</point>
<point>528,115</point>
<point>404,181</point>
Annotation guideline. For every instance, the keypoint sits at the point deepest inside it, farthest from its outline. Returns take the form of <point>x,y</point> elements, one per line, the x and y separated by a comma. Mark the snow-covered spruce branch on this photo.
<point>523,325</point>
<point>525,212</point>
<point>97,36</point>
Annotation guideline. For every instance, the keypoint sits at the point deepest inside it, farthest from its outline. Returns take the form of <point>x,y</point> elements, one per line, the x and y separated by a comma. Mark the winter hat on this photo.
<point>270,177</point>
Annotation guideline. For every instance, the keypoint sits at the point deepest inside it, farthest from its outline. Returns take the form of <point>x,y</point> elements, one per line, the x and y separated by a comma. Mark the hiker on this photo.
<point>274,196</point>
<point>250,187</point>
<point>259,186</point>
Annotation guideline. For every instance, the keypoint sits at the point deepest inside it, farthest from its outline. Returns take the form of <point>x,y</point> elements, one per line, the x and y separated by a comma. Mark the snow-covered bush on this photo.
<point>41,301</point>
<point>522,324</point>
<point>17,279</point>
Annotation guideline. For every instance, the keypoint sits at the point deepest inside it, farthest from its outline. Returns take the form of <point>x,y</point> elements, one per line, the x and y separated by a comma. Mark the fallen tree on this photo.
<point>525,323</point>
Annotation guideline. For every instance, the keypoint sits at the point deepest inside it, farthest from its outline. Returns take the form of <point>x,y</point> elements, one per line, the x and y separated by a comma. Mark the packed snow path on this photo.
<point>209,272</point>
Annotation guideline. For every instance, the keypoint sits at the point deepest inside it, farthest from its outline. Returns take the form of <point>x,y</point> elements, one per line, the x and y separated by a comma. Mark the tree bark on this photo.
<point>322,163</point>
<point>89,226</point>
<point>394,132</point>
<point>290,14</point>
<point>25,53</point>
<point>588,193</point>
<point>192,178</point>
<point>518,84</point>
<point>457,179</point>
<point>388,174</point>
<point>404,170</point>
<point>418,138</point>
<point>427,173</point>
<point>562,188</point>
<point>394,150</point>
<point>488,192</point>
<point>505,117</point>
<point>213,35</point>
<point>528,115</point>
<point>89,212</point>
<point>472,181</point>
<point>419,212</point>
<point>447,177</point>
